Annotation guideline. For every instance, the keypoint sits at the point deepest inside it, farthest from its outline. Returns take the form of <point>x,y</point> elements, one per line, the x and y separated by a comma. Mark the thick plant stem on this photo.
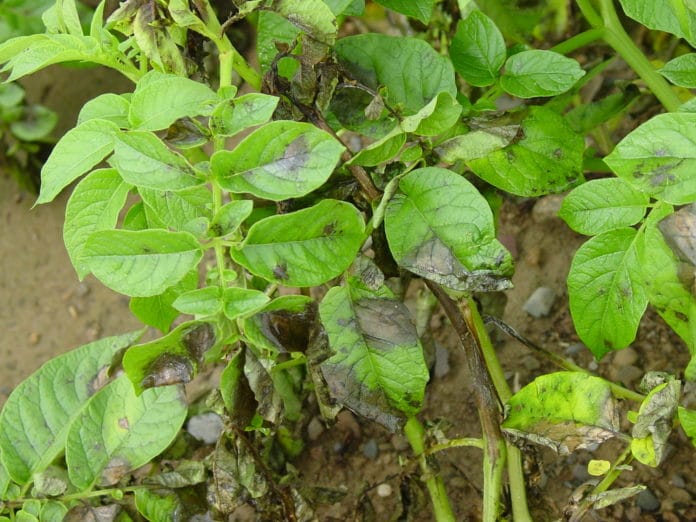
<point>518,494</point>
<point>436,487</point>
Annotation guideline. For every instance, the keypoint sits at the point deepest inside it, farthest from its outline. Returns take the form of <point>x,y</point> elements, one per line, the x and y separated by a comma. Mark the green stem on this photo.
<point>415,433</point>
<point>465,442</point>
<point>518,495</point>
<point>615,35</point>
<point>578,41</point>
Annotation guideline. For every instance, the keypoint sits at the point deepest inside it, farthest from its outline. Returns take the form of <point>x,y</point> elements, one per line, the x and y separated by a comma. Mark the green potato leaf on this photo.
<point>80,149</point>
<point>232,116</point>
<point>158,310</point>
<point>230,217</point>
<point>564,410</point>
<point>548,157</point>
<point>110,107</point>
<point>312,17</point>
<point>440,227</point>
<point>117,432</point>
<point>673,16</point>
<point>281,160</point>
<point>186,210</point>
<point>200,301</point>
<point>382,150</point>
<point>436,117</point>
<point>659,158</point>
<point>604,204</point>
<point>158,505</point>
<point>606,294</point>
<point>144,161</point>
<point>36,124</point>
<point>534,73</point>
<point>478,50</point>
<point>304,248</point>
<point>410,69</point>
<point>419,9</point>
<point>687,419</point>
<point>160,99</point>
<point>377,368</point>
<point>94,205</point>
<point>681,70</point>
<point>238,302</point>
<point>35,419</point>
<point>141,263</point>
<point>272,29</point>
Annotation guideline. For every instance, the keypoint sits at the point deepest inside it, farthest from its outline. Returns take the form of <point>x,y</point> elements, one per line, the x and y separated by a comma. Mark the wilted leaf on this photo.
<point>613,496</point>
<point>654,423</point>
<point>565,411</point>
<point>186,473</point>
<point>679,231</point>
<point>85,513</point>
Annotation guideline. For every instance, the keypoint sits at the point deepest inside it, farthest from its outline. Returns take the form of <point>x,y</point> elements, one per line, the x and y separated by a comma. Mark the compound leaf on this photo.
<point>232,116</point>
<point>36,417</point>
<point>94,205</point>
<point>144,161</point>
<point>659,158</point>
<point>141,263</point>
<point>80,149</point>
<point>539,73</point>
<point>160,99</point>
<point>607,297</point>
<point>303,248</point>
<point>410,69</point>
<point>603,204</point>
<point>281,160</point>
<point>118,431</point>
<point>440,227</point>
<point>563,410</point>
<point>547,159</point>
<point>377,368</point>
<point>478,50</point>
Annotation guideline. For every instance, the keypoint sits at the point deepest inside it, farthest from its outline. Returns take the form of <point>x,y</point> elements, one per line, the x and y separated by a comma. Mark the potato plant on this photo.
<point>249,229</point>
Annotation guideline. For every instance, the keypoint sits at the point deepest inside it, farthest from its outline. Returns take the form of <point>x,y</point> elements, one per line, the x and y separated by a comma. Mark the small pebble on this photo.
<point>384,490</point>
<point>680,496</point>
<point>205,427</point>
<point>72,311</point>
<point>647,501</point>
<point>580,473</point>
<point>575,349</point>
<point>82,290</point>
<point>625,357</point>
<point>371,449</point>
<point>34,338</point>
<point>533,256</point>
<point>678,481</point>
<point>531,363</point>
<point>540,302</point>
<point>314,429</point>
<point>628,374</point>
<point>400,443</point>
<point>346,422</point>
<point>592,365</point>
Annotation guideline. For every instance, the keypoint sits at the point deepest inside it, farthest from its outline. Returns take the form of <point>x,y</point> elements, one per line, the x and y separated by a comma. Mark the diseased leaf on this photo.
<point>272,29</point>
<point>160,99</point>
<point>548,157</point>
<point>141,263</point>
<point>410,69</point>
<point>534,73</point>
<point>185,210</point>
<point>477,143</point>
<point>606,294</point>
<point>601,205</point>
<point>312,17</point>
<point>654,423</point>
<point>35,419</point>
<point>681,70</point>
<point>659,158</point>
<point>674,16</point>
<point>185,473</point>
<point>381,150</point>
<point>230,217</point>
<point>303,248</point>
<point>157,505</point>
<point>282,325</point>
<point>94,205</point>
<point>80,149</point>
<point>439,227</point>
<point>478,50</point>
<point>144,161</point>
<point>419,9</point>
<point>613,496</point>
<point>172,359</point>
<point>566,411</point>
<point>281,160</point>
<point>236,393</point>
<point>377,368</point>
<point>118,431</point>
<point>234,115</point>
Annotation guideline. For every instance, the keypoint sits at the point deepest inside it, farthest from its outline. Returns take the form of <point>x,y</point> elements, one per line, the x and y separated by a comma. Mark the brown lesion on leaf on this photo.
<point>168,368</point>
<point>280,271</point>
<point>199,340</point>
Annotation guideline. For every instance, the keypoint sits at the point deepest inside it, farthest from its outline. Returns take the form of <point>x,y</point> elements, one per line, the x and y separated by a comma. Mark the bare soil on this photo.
<point>47,311</point>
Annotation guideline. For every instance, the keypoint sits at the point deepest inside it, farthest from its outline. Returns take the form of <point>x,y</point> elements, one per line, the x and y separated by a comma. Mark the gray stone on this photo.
<point>314,429</point>
<point>625,357</point>
<point>678,481</point>
<point>540,302</point>
<point>206,427</point>
<point>628,374</point>
<point>647,501</point>
<point>546,208</point>
<point>442,366</point>
<point>371,449</point>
